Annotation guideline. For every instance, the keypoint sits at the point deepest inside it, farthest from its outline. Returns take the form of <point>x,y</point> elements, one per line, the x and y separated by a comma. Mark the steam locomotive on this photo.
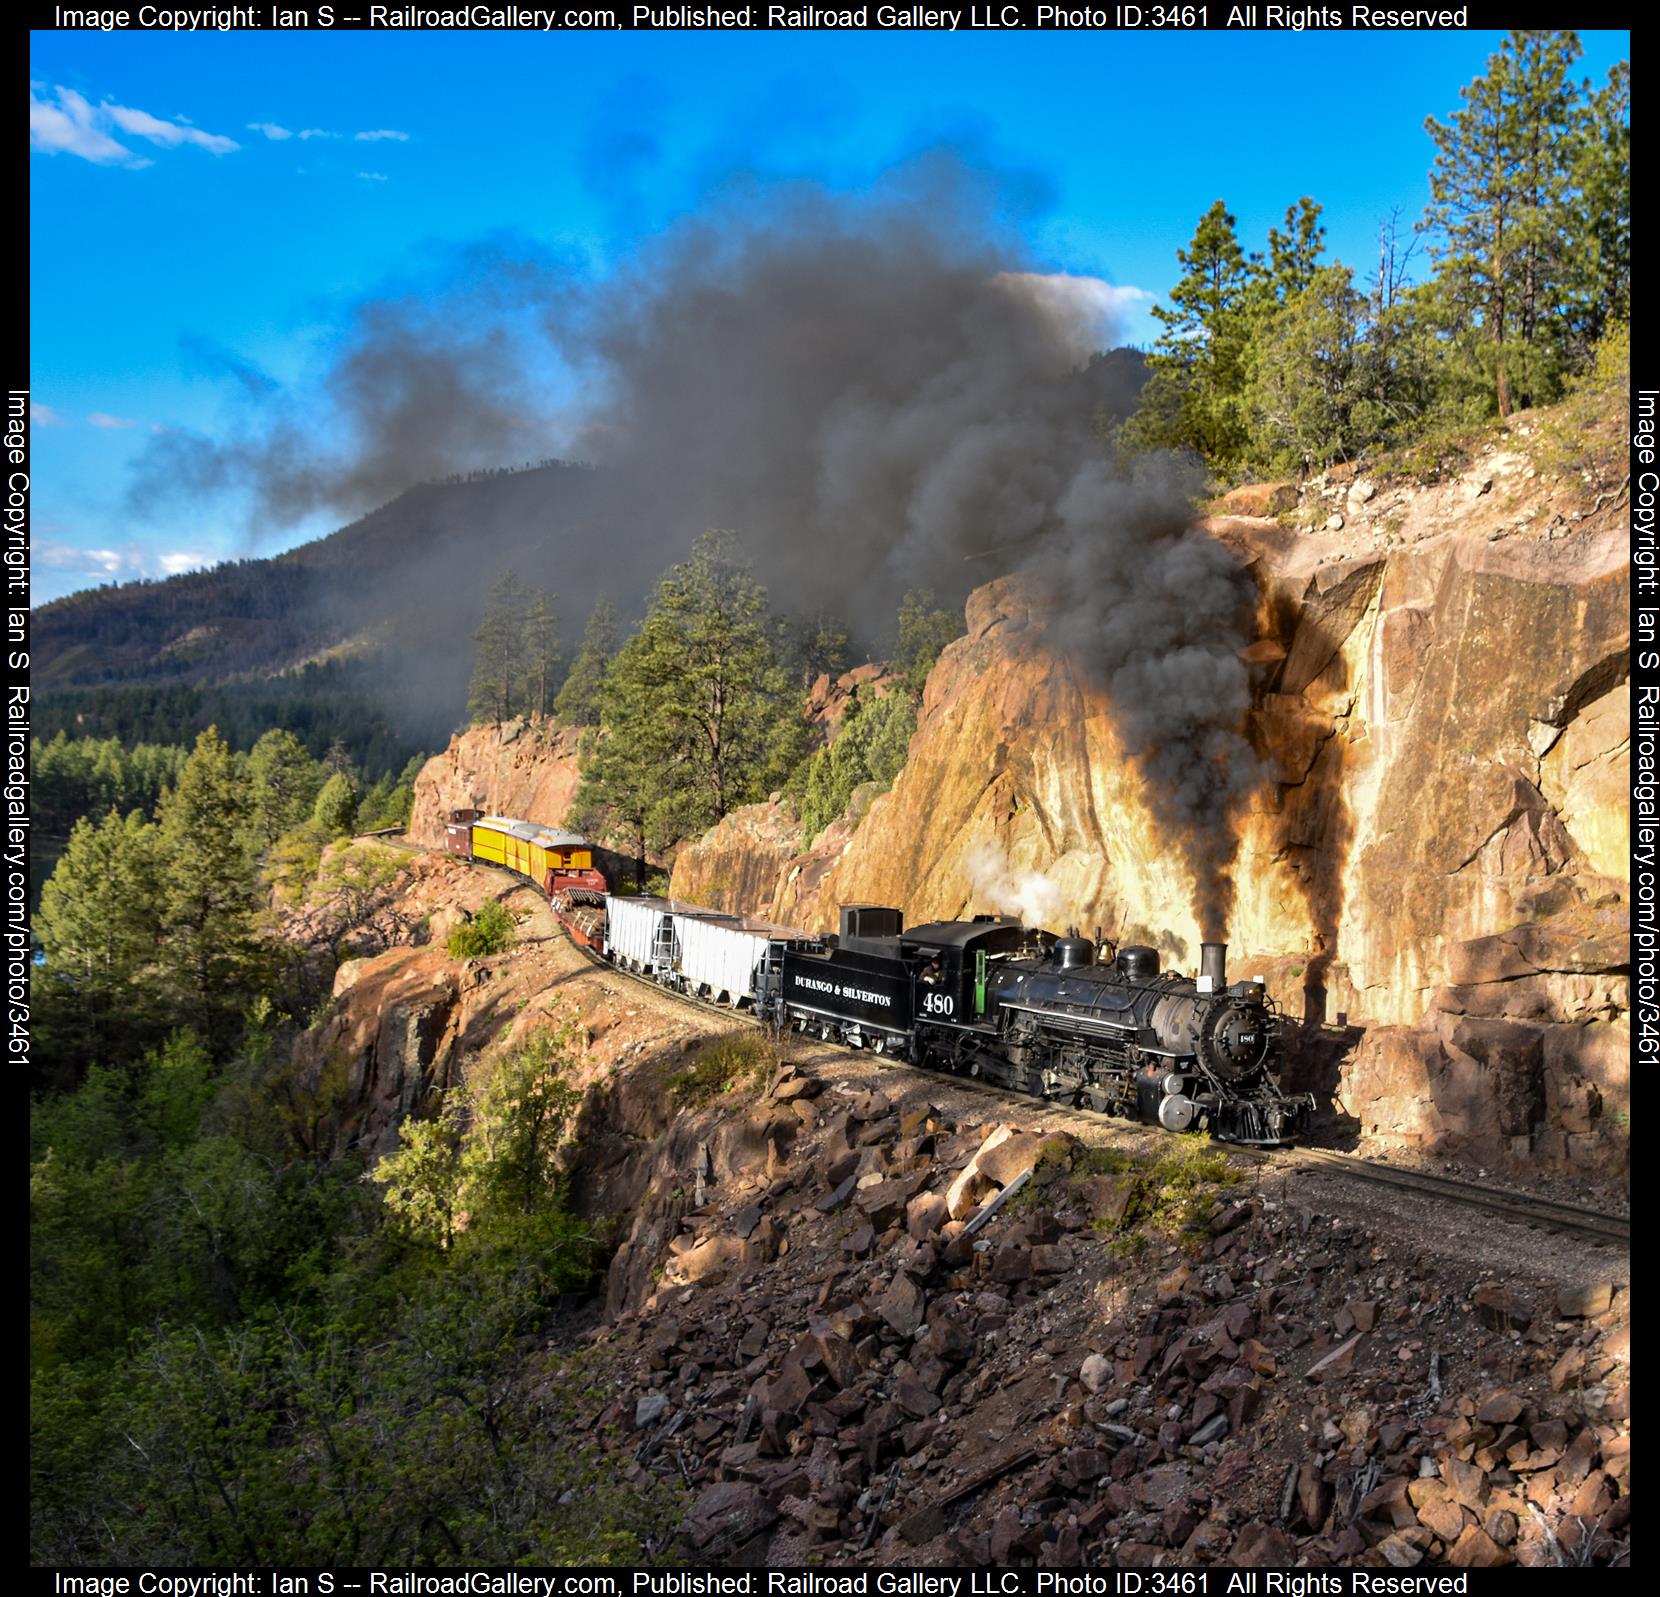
<point>1065,1018</point>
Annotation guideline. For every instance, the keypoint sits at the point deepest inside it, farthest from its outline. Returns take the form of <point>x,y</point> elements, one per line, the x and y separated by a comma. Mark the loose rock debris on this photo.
<point>859,1372</point>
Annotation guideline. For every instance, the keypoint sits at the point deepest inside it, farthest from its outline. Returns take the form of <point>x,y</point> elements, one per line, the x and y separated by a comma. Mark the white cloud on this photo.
<point>60,556</point>
<point>373,177</point>
<point>73,126</point>
<point>276,131</point>
<point>1086,311</point>
<point>102,418</point>
<point>167,134</point>
<point>43,415</point>
<point>76,565</point>
<point>70,128</point>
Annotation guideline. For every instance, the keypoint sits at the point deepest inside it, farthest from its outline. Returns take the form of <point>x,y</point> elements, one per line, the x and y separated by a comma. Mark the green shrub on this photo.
<point>728,1064</point>
<point>488,932</point>
<point>1173,1194</point>
<point>871,748</point>
<point>1587,432</point>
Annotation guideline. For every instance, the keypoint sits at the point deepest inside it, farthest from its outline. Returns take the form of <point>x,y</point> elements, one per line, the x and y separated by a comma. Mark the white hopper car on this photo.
<point>699,951</point>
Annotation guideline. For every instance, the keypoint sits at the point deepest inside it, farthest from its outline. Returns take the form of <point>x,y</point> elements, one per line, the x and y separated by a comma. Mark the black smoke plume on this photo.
<point>876,395</point>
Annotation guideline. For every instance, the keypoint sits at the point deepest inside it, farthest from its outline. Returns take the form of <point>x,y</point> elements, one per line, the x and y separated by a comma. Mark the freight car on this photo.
<point>1064,1018</point>
<point>700,952</point>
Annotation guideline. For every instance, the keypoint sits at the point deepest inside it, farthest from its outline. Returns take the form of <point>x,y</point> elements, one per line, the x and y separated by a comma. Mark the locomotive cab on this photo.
<point>950,960</point>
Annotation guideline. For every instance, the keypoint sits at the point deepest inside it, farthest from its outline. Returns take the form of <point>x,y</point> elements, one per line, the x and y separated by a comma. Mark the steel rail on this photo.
<point>1520,1208</point>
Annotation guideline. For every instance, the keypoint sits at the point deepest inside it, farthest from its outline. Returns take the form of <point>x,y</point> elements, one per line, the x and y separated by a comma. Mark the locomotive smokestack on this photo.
<point>1213,967</point>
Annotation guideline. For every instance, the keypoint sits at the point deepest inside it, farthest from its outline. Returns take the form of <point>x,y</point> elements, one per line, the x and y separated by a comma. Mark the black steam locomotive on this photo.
<point>1065,1018</point>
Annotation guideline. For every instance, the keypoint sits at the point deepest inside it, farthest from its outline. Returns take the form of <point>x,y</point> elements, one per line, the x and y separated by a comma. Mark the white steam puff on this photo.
<point>996,885</point>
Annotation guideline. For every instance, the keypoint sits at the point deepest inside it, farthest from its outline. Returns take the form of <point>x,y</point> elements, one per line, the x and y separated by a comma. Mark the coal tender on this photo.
<point>1075,1020</point>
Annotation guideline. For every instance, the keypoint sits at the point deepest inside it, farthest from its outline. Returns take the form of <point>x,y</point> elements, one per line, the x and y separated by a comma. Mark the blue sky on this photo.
<point>209,202</point>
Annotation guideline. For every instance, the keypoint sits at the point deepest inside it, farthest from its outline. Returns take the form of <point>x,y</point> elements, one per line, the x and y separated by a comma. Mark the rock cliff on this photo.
<point>858,1321</point>
<point>1436,857</point>
<point>525,767</point>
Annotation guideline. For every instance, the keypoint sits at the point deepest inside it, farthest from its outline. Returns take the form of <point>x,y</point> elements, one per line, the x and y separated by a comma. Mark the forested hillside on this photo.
<point>364,636</point>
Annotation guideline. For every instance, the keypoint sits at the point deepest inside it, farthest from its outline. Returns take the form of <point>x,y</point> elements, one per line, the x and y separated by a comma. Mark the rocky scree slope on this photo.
<point>850,1315</point>
<point>841,1357</point>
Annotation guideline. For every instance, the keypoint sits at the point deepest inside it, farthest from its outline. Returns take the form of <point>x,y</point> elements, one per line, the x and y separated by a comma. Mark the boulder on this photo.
<point>1338,1363</point>
<point>727,1515</point>
<point>902,1305</point>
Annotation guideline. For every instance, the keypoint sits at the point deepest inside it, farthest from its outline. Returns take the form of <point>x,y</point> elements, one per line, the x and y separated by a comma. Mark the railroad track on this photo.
<point>1520,1208</point>
<point>1595,1226</point>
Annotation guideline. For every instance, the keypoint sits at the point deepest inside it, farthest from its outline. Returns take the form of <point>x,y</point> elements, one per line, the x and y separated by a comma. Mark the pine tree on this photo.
<point>923,632</point>
<point>1197,371</point>
<point>1308,374</point>
<point>698,716</point>
<point>1600,260</point>
<point>814,645</point>
<point>499,660</point>
<point>542,656</point>
<point>212,958</point>
<point>337,761</point>
<point>1500,212</point>
<point>285,781</point>
<point>99,923</point>
<point>1294,255</point>
<point>578,703</point>
<point>335,811</point>
<point>870,747</point>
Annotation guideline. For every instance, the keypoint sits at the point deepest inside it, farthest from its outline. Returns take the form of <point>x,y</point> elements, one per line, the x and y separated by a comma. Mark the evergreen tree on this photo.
<point>212,958</point>
<point>499,660</point>
<point>99,922</point>
<point>542,656</point>
<point>578,703</point>
<point>815,645</point>
<point>1500,213</point>
<point>870,747</point>
<point>924,631</point>
<point>390,800</point>
<point>1599,277</point>
<point>335,811</point>
<point>1294,255</point>
<point>1308,375</point>
<point>698,716</point>
<point>1196,377</point>
<point>285,781</point>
